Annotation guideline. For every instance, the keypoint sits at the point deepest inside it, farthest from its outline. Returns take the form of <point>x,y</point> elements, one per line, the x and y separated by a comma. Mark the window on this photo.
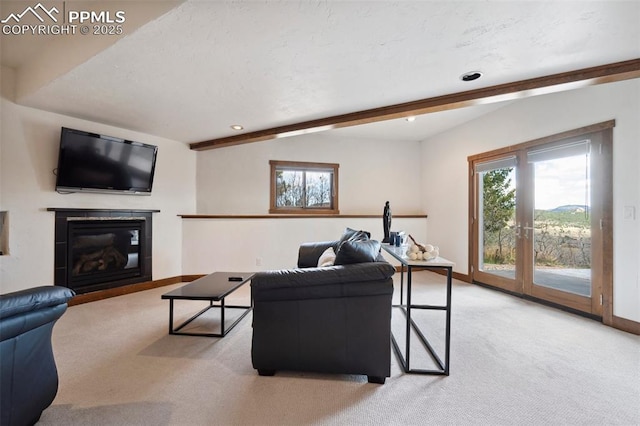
<point>304,187</point>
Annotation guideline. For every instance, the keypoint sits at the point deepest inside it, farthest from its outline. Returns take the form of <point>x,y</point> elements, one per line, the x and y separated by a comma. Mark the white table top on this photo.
<point>399,253</point>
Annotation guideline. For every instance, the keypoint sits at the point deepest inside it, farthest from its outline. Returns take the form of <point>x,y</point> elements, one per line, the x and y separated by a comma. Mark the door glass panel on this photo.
<point>562,219</point>
<point>497,206</point>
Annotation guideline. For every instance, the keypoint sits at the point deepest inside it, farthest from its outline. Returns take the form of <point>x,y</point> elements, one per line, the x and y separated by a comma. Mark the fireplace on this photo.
<point>102,249</point>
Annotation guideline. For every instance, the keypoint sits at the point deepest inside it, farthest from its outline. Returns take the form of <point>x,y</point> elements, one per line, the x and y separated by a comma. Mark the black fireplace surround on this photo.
<point>102,249</point>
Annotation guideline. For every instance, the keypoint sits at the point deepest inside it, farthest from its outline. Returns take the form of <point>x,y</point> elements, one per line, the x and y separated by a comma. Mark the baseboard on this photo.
<point>620,323</point>
<point>127,289</point>
<point>189,278</point>
<point>627,325</point>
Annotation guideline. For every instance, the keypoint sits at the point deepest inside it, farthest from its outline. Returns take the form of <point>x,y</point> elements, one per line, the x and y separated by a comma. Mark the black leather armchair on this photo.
<point>334,319</point>
<point>28,374</point>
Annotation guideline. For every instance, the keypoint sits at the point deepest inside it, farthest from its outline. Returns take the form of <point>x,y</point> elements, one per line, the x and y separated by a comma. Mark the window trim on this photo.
<point>305,166</point>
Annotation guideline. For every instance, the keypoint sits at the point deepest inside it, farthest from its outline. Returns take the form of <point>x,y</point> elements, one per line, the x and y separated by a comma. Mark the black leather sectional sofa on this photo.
<point>28,374</point>
<point>332,319</point>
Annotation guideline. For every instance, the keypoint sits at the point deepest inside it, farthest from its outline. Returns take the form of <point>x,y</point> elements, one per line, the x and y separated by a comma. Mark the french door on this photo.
<point>541,219</point>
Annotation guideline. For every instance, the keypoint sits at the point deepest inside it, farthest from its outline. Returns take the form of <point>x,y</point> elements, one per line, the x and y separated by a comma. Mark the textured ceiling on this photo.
<point>203,66</point>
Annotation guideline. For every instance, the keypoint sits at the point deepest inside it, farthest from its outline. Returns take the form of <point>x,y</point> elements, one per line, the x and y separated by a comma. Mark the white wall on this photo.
<point>445,156</point>
<point>29,141</point>
<point>264,244</point>
<point>7,91</point>
<point>235,181</point>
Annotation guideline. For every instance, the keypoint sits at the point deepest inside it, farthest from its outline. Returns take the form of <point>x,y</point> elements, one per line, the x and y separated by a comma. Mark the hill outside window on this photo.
<point>304,188</point>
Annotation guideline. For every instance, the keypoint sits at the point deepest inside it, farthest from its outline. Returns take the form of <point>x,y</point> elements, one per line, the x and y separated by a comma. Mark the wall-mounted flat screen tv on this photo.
<point>88,162</point>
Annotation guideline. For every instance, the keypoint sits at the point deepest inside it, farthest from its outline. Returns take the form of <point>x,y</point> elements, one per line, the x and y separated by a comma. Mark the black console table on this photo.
<point>438,264</point>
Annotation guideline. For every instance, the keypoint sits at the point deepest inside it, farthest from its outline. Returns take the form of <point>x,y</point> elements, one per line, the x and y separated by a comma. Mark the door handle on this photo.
<point>526,228</point>
<point>518,230</point>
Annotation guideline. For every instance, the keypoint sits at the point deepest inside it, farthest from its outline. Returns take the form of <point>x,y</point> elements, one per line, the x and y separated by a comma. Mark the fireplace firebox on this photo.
<point>102,249</point>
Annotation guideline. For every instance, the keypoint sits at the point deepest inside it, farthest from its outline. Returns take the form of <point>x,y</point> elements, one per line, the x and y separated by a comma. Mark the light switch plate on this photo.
<point>629,213</point>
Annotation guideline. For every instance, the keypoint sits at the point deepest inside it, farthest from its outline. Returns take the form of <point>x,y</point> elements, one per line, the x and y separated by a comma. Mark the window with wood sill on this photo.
<point>304,188</point>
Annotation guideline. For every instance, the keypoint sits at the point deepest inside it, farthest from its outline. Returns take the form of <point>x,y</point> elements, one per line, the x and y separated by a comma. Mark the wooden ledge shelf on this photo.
<point>299,216</point>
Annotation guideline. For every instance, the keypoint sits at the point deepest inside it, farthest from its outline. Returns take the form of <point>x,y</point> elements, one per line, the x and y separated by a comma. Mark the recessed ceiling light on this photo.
<point>471,75</point>
<point>410,119</point>
<point>237,127</point>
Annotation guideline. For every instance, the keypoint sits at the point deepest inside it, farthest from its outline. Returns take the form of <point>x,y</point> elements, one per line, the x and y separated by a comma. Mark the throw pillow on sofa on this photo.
<point>327,258</point>
<point>351,235</point>
<point>354,235</point>
<point>357,252</point>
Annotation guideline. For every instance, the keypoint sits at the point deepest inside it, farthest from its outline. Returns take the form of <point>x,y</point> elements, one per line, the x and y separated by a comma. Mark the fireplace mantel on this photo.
<point>67,209</point>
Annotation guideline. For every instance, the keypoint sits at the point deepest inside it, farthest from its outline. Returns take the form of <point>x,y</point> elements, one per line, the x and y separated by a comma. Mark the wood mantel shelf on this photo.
<point>298,216</point>
<point>70,209</point>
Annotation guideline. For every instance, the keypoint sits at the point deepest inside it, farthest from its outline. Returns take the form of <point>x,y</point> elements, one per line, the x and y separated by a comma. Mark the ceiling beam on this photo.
<point>536,86</point>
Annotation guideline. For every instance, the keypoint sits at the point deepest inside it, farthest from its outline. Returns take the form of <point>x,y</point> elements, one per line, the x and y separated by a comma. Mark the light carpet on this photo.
<point>512,362</point>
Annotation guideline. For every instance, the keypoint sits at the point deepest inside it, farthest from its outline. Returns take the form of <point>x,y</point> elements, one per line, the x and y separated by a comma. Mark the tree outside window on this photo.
<point>499,197</point>
<point>298,187</point>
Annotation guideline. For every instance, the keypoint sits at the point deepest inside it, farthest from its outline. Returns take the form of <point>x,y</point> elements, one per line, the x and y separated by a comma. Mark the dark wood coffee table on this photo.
<point>212,288</point>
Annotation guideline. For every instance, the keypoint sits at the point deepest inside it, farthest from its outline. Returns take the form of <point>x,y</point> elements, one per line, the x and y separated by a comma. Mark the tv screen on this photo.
<point>99,163</point>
